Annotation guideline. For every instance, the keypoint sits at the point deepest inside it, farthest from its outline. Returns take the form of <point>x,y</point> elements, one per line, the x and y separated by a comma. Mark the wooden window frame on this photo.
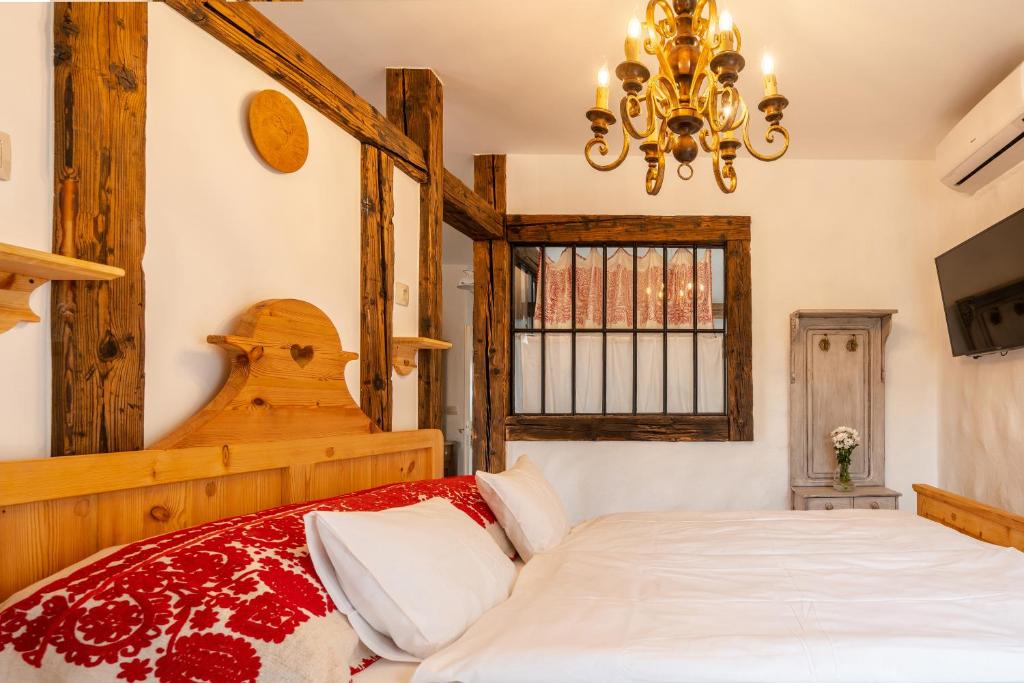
<point>730,232</point>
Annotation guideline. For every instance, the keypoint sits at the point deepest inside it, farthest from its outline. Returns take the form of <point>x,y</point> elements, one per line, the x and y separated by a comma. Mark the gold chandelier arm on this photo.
<point>629,107</point>
<point>708,140</point>
<point>726,178</point>
<point>666,28</point>
<point>655,176</point>
<point>664,90</point>
<point>602,148</point>
<point>769,137</point>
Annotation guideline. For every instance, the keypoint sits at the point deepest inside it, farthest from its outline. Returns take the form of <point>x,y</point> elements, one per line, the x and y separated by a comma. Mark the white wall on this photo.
<point>456,317</point>
<point>26,219</point>
<point>405,390</point>
<point>825,234</point>
<point>223,230</point>
<point>981,412</point>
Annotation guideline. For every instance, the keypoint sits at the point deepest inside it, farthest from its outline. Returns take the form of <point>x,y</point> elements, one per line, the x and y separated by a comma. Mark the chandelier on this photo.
<point>691,101</point>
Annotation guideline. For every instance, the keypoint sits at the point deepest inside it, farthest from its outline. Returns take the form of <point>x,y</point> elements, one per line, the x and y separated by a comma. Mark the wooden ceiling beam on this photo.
<point>470,213</point>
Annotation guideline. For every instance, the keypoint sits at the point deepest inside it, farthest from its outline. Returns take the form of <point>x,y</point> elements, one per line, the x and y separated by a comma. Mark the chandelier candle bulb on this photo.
<point>771,86</point>
<point>725,34</point>
<point>602,88</point>
<point>633,40</point>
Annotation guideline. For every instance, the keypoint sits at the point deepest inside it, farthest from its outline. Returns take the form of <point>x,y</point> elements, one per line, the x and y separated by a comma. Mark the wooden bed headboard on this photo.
<point>283,429</point>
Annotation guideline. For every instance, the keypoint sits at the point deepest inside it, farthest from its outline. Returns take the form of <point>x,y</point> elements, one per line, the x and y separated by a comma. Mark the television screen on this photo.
<point>982,283</point>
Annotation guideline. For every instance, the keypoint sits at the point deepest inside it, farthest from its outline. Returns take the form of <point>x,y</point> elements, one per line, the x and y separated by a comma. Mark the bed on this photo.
<point>192,563</point>
<point>869,596</point>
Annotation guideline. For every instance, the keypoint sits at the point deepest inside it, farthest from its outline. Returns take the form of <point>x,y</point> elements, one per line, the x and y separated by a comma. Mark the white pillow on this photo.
<point>411,579</point>
<point>526,507</point>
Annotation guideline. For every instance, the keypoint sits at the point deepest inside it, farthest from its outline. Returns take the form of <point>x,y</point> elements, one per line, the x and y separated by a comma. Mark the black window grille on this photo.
<point>531,264</point>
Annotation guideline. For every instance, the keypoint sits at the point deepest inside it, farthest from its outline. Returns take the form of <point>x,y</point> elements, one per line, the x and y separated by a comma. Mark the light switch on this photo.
<point>5,156</point>
<point>401,294</point>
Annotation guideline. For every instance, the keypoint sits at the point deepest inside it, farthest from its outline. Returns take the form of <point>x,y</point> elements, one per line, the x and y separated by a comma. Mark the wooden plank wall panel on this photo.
<point>739,341</point>
<point>40,537</point>
<point>491,264</point>
<point>246,31</point>
<point>98,329</point>
<point>377,286</point>
<point>126,516</point>
<point>415,102</point>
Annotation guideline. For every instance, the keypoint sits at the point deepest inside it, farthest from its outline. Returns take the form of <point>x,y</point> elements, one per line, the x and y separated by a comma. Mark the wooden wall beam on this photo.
<point>469,213</point>
<point>491,277</point>
<point>377,286</point>
<point>627,229</point>
<point>246,31</point>
<point>739,341</point>
<point>415,103</point>
<point>98,328</point>
<point>617,428</point>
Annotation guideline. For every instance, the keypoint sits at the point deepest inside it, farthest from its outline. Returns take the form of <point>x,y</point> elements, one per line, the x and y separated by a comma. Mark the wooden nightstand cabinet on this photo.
<point>837,377</point>
<point>861,498</point>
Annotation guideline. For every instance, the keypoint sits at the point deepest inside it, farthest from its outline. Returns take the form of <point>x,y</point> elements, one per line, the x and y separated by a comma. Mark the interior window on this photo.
<point>608,329</point>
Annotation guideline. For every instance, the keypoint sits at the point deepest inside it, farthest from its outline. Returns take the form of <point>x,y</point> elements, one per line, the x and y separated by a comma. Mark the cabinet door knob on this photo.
<point>874,505</point>
<point>828,506</point>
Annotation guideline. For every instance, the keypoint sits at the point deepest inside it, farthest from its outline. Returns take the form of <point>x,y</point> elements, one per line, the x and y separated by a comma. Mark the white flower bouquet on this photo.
<point>844,441</point>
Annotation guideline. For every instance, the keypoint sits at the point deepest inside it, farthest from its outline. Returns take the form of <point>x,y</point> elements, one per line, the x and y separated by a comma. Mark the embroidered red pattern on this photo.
<point>200,603</point>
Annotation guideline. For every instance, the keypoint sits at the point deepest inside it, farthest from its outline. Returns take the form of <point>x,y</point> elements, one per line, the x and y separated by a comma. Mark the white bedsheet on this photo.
<point>852,596</point>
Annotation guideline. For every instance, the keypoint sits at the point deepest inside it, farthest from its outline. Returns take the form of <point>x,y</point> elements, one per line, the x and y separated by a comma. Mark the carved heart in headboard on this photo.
<point>271,350</point>
<point>302,354</point>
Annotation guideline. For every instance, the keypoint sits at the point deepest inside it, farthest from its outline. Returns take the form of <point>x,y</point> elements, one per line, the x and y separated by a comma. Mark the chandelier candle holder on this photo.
<point>692,103</point>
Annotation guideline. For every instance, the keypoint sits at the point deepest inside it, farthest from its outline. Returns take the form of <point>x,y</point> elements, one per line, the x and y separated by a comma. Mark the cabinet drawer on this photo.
<point>875,503</point>
<point>828,504</point>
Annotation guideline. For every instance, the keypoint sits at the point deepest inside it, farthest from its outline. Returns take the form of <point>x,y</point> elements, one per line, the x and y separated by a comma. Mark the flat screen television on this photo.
<point>982,283</point>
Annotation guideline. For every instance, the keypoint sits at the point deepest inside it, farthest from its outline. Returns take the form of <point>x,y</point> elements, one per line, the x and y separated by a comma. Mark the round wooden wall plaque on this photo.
<point>278,131</point>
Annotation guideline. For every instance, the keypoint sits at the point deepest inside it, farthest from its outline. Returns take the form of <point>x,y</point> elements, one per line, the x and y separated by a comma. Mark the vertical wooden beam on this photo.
<point>491,313</point>
<point>415,103</point>
<point>377,286</point>
<point>739,341</point>
<point>98,329</point>
<point>490,180</point>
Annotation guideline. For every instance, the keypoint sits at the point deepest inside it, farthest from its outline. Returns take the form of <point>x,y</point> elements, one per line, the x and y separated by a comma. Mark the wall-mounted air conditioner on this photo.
<point>988,141</point>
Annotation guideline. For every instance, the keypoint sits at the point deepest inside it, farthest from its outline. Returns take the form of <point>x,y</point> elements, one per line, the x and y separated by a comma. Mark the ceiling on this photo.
<point>866,79</point>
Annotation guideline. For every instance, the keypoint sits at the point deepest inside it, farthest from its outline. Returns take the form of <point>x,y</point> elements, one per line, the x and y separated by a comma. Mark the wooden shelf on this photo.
<point>22,270</point>
<point>403,351</point>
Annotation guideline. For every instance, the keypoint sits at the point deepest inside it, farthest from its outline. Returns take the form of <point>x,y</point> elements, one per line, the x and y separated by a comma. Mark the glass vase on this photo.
<point>841,480</point>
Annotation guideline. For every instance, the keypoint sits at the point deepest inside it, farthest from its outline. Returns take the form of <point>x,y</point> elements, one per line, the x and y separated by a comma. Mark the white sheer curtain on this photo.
<point>652,369</point>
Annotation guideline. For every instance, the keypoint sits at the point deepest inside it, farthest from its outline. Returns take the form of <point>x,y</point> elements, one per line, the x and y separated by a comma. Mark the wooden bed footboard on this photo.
<point>283,429</point>
<point>970,517</point>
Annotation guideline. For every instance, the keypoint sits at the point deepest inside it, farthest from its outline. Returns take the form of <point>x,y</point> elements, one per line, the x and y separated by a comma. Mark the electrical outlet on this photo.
<point>5,156</point>
<point>401,294</point>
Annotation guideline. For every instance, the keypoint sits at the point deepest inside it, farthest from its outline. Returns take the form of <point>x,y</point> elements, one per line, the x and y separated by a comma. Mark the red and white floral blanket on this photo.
<point>231,600</point>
